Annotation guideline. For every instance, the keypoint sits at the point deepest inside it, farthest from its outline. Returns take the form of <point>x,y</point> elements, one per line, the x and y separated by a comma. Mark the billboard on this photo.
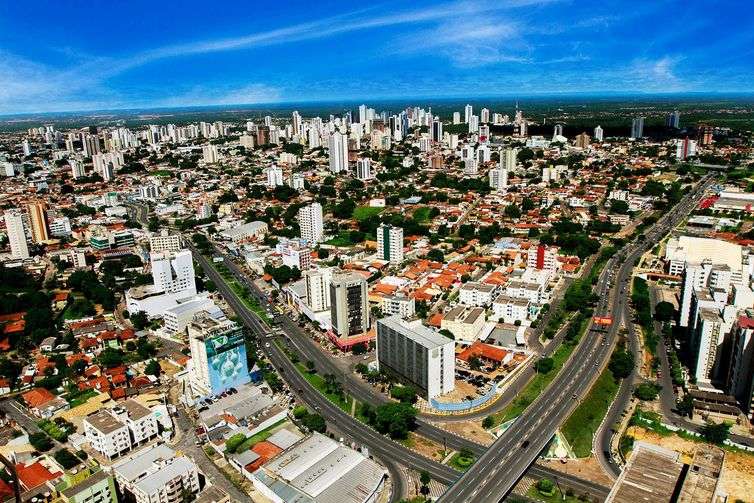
<point>226,359</point>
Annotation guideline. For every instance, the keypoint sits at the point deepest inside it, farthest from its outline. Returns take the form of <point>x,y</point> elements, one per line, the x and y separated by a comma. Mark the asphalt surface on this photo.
<point>361,391</point>
<point>499,469</point>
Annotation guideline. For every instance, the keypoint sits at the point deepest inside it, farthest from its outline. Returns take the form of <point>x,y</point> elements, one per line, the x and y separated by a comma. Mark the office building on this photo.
<point>14,227</point>
<point>60,227</point>
<point>310,223</point>
<point>218,355</point>
<point>338,152</point>
<point>390,243</point>
<point>637,128</point>
<point>38,222</point>
<point>349,304</point>
<point>177,318</point>
<point>417,355</point>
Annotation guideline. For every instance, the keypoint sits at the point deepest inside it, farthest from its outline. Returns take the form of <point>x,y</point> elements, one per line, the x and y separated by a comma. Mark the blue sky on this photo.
<point>89,55</point>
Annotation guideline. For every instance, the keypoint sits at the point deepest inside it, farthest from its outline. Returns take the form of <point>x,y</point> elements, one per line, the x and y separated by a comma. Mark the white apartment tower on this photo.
<point>364,168</point>
<point>14,226</point>
<point>390,243</point>
<point>598,133</point>
<point>499,179</point>
<point>310,222</point>
<point>338,151</point>
<point>274,176</point>
<point>210,154</point>
<point>318,289</point>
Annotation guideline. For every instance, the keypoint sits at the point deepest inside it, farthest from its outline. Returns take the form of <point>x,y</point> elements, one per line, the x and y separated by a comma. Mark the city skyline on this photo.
<point>52,61</point>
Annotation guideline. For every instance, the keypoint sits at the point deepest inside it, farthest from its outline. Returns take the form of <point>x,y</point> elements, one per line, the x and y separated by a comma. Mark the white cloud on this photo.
<point>202,95</point>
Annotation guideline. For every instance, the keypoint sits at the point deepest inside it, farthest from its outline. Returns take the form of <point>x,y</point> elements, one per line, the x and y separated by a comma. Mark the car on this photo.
<point>525,444</point>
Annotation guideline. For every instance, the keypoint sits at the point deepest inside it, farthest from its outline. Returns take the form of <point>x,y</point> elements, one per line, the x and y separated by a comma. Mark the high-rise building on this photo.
<point>704,134</point>
<point>274,176</point>
<point>349,304</point>
<point>91,145</point>
<point>456,117</point>
<point>437,131</point>
<point>26,147</point>
<point>296,122</point>
<point>218,355</point>
<point>310,222</point>
<point>173,272</point>
<point>508,158</point>
<point>582,140</point>
<point>473,124</point>
<point>390,243</point>
<point>498,179</point>
<point>557,131</point>
<point>685,148</point>
<point>364,168</point>
<point>317,283</point>
<point>38,220</point>
<point>210,154</point>
<point>14,227</point>
<point>468,111</point>
<point>417,355</point>
<point>673,120</point>
<point>338,152</point>
<point>484,116</point>
<point>165,242</point>
<point>598,133</point>
<point>637,128</point>
<point>740,381</point>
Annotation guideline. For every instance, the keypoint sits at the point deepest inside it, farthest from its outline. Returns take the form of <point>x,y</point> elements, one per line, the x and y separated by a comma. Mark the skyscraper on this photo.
<point>310,222</point>
<point>390,243</point>
<point>637,128</point>
<point>437,131</point>
<point>484,116</point>
<point>673,119</point>
<point>598,133</point>
<point>38,221</point>
<point>14,226</point>
<point>349,305</point>
<point>456,117</point>
<point>364,168</point>
<point>558,130</point>
<point>468,111</point>
<point>498,179</point>
<point>209,154</point>
<point>338,150</point>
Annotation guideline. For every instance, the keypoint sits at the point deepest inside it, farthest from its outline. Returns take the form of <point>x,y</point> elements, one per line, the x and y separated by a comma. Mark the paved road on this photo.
<point>309,350</point>
<point>497,471</point>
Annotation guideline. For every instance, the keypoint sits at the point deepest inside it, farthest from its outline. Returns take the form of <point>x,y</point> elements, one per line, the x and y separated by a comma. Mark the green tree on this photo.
<point>153,368</point>
<point>647,391</point>
<point>664,311</point>
<point>621,364</point>
<point>404,394</point>
<point>425,479</point>
<point>315,422</point>
<point>488,422</point>
<point>139,320</point>
<point>716,433</point>
<point>545,365</point>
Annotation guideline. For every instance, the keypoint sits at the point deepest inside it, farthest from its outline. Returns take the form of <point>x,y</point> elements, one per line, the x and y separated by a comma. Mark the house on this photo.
<point>42,403</point>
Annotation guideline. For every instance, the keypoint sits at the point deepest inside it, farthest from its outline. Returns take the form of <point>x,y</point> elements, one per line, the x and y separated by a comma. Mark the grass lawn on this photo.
<point>556,497</point>
<point>461,463</point>
<point>82,398</point>
<point>421,215</point>
<point>364,212</point>
<point>318,382</point>
<point>580,427</point>
<point>249,300</point>
<point>259,437</point>
<point>342,239</point>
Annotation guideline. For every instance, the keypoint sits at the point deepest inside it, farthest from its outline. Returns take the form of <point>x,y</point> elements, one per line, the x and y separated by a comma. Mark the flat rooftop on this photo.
<point>650,476</point>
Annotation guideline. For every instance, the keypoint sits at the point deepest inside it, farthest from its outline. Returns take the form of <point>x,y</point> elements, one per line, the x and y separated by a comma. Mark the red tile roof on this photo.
<point>37,397</point>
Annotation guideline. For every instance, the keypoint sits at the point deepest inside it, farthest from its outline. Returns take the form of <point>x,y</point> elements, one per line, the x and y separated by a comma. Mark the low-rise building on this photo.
<point>477,294</point>
<point>466,324</point>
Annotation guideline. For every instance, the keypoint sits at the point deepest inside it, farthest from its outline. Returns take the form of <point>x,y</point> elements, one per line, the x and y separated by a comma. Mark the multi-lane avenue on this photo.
<point>502,465</point>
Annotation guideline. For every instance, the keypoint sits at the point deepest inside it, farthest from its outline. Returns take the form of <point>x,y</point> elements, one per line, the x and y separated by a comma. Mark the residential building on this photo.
<point>685,148</point>
<point>510,309</point>
<point>112,432</point>
<point>165,242</point>
<point>218,355</point>
<point>157,474</point>
<point>740,381</point>
<point>466,324</point>
<point>637,128</point>
<point>338,152</point>
<point>417,355</point>
<point>349,304</point>
<point>210,154</point>
<point>310,222</point>
<point>38,222</point>
<point>542,257</point>
<point>14,227</point>
<point>477,294</point>
<point>498,179</point>
<point>364,168</point>
<point>274,176</point>
<point>390,243</point>
<point>399,305</point>
<point>294,253</point>
<point>318,289</point>
<point>599,133</point>
<point>98,487</point>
